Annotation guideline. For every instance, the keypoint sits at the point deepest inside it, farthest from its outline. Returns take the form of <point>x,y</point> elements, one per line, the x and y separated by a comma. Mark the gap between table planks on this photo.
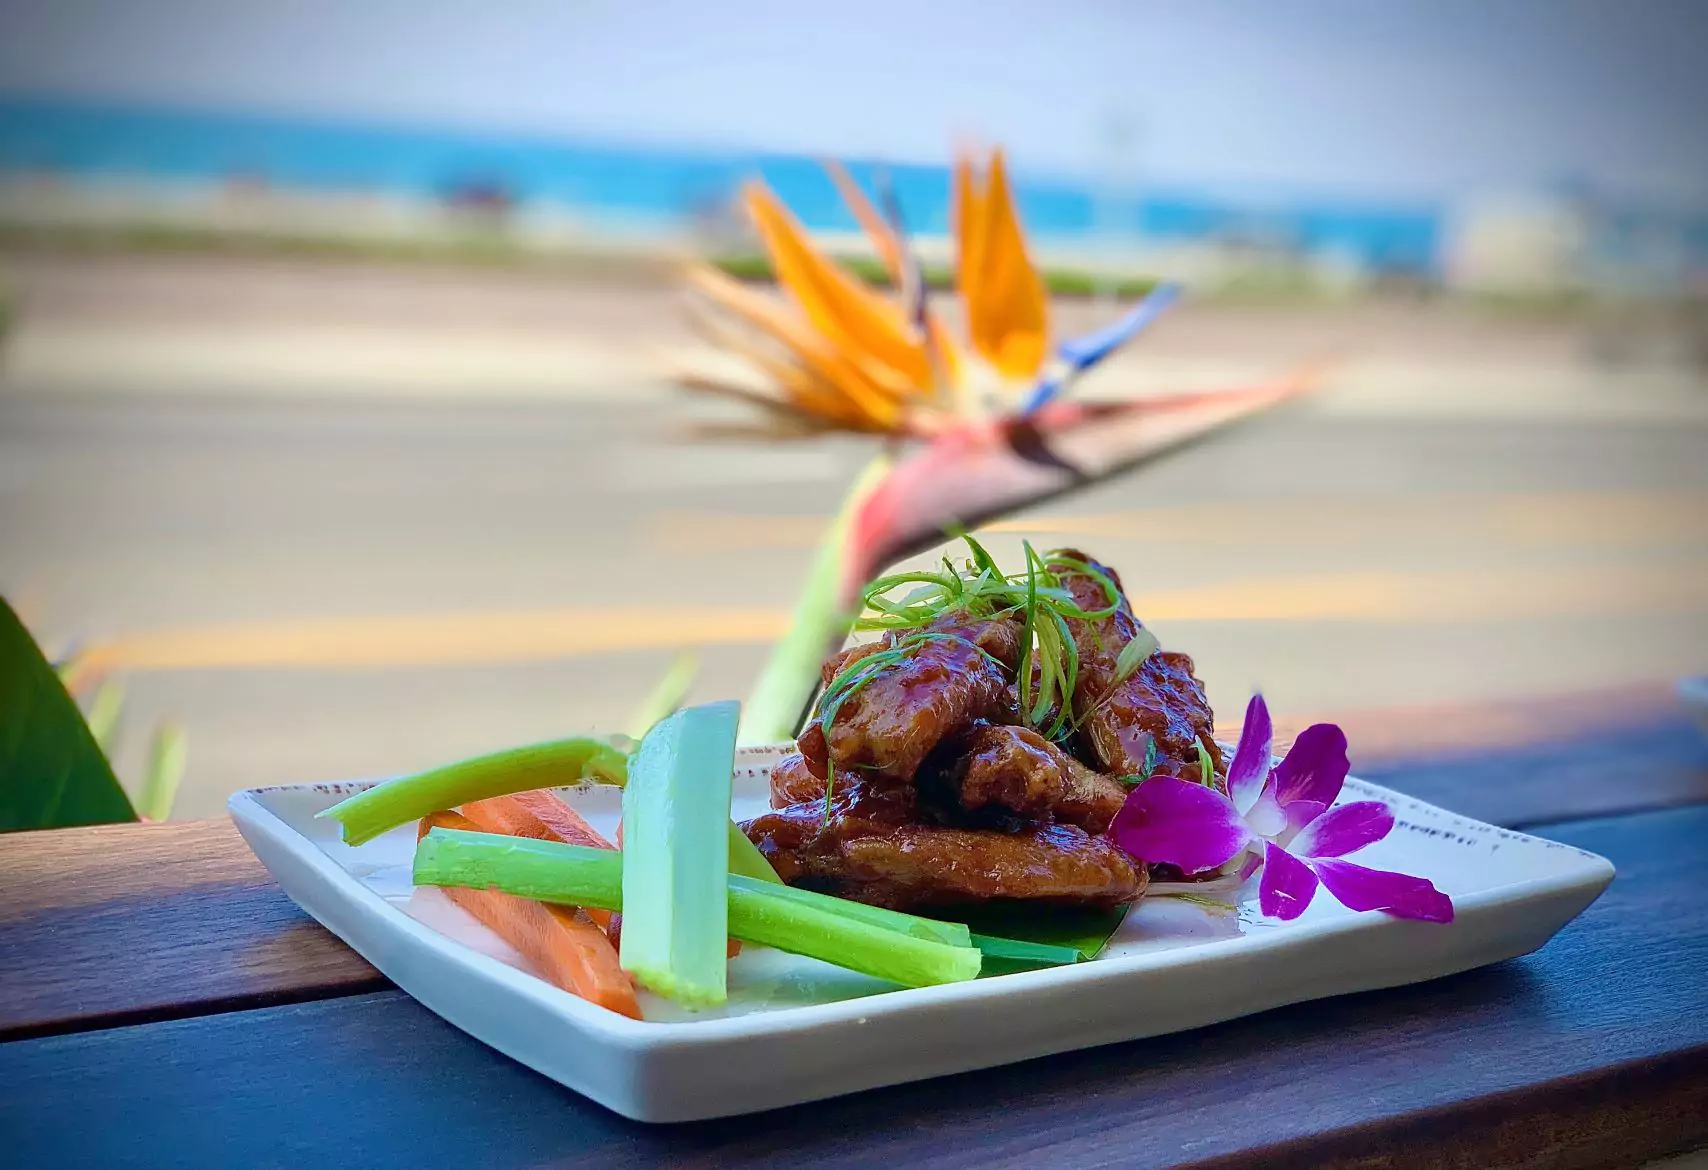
<point>127,924</point>
<point>1586,1053</point>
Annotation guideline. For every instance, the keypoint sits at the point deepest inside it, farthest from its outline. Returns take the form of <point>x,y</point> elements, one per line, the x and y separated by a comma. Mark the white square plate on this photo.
<point>798,1030</point>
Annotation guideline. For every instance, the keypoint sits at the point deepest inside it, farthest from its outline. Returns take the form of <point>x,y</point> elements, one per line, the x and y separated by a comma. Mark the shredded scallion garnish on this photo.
<point>903,605</point>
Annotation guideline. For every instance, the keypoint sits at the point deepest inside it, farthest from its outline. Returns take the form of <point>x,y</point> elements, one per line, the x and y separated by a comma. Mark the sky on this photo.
<point>1410,99</point>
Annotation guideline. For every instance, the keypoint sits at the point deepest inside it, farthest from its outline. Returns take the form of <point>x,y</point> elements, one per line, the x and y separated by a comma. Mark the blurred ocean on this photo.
<point>635,185</point>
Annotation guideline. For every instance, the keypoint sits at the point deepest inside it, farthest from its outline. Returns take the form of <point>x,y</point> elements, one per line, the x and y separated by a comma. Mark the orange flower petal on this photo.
<point>818,377</point>
<point>877,229</point>
<point>856,319</point>
<point>1007,307</point>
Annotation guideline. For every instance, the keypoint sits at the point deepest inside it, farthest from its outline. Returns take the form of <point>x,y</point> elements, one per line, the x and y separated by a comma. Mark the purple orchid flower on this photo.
<point>1282,817</point>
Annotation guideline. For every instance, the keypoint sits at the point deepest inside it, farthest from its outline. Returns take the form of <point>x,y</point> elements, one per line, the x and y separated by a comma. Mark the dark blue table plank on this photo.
<point>1594,1050</point>
<point>1637,765</point>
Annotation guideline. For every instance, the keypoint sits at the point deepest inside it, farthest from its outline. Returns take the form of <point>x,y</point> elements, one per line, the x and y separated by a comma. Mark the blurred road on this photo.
<point>334,585</point>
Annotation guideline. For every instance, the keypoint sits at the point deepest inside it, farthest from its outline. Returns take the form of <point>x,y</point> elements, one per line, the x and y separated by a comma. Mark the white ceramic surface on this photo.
<point>798,1030</point>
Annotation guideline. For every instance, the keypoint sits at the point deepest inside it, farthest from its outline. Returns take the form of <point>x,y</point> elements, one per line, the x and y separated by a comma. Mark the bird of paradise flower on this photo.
<point>975,428</point>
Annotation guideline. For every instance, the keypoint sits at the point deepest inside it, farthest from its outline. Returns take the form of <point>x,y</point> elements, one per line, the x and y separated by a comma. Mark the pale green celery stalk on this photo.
<point>549,871</point>
<point>953,934</point>
<point>676,855</point>
<point>165,773</point>
<point>815,925</point>
<point>744,855</point>
<point>745,858</point>
<point>819,621</point>
<point>409,798</point>
<point>759,915</point>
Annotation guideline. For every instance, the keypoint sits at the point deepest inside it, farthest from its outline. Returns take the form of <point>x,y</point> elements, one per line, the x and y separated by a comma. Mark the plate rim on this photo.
<point>248,812</point>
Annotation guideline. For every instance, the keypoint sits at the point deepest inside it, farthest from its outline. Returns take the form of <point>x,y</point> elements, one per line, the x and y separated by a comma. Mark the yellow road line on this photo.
<point>558,634</point>
<point>435,639</point>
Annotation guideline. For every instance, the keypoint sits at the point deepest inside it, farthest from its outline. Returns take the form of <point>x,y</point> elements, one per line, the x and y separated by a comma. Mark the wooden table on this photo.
<point>163,1004</point>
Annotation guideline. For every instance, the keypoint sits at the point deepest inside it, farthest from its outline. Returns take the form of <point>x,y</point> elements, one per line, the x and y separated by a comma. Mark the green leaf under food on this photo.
<point>1083,931</point>
<point>52,772</point>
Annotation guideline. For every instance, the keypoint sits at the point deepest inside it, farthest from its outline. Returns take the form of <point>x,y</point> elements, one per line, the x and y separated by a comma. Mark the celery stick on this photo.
<point>759,914</point>
<point>745,858</point>
<point>676,854</point>
<point>409,798</point>
<point>548,871</point>
<point>954,934</point>
<point>459,857</point>
<point>798,921</point>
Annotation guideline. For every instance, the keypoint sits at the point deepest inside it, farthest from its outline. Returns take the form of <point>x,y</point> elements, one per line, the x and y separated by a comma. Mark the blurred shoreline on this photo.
<point>185,323</point>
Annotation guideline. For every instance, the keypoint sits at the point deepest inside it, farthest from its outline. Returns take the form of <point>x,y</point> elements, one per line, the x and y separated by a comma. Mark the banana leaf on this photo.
<point>52,772</point>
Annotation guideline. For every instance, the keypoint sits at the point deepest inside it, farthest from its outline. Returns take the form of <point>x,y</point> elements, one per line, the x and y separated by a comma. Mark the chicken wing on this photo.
<point>1016,770</point>
<point>938,681</point>
<point>792,782</point>
<point>1161,701</point>
<point>873,849</point>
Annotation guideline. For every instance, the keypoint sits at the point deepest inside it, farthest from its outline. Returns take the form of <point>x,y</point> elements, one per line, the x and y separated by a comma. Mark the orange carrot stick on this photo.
<point>561,942</point>
<point>538,814</point>
<point>542,816</point>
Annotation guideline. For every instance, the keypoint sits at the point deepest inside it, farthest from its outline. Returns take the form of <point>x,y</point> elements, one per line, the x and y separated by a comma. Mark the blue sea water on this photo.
<point>634,184</point>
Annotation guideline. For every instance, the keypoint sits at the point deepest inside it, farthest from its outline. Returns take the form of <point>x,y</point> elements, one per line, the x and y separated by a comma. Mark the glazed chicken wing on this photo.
<point>945,677</point>
<point>792,782</point>
<point>1019,771</point>
<point>872,849</point>
<point>1161,700</point>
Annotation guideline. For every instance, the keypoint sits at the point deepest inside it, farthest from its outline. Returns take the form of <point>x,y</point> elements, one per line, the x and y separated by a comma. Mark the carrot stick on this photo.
<point>538,814</point>
<point>544,817</point>
<point>561,942</point>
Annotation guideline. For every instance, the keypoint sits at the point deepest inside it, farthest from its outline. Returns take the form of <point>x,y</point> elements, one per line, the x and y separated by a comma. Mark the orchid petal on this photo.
<point>1315,767</point>
<point>1398,894</point>
<point>1253,861</point>
<point>1344,830</point>
<point>1266,817</point>
<point>1299,814</point>
<point>1174,822</point>
<point>1250,767</point>
<point>1288,884</point>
